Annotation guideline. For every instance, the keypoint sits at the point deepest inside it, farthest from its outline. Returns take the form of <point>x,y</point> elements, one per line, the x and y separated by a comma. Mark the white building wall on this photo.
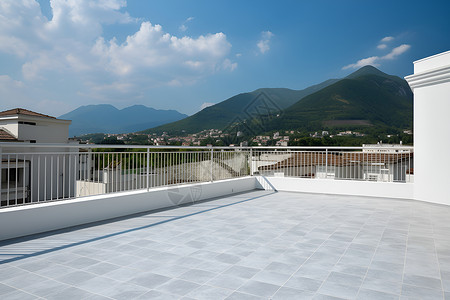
<point>431,87</point>
<point>44,132</point>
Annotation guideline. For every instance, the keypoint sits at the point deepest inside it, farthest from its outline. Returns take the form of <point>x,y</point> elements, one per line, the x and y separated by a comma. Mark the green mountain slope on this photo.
<point>240,107</point>
<point>367,96</point>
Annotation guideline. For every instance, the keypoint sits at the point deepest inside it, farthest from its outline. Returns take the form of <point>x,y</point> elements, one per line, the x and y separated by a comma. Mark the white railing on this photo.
<point>350,163</point>
<point>34,173</point>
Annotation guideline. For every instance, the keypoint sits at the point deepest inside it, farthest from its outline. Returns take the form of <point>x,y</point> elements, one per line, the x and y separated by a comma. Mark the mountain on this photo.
<point>365,97</point>
<point>239,108</point>
<point>106,118</point>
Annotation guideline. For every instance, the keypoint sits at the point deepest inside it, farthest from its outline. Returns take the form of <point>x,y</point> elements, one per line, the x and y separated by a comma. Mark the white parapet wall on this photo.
<point>31,219</point>
<point>338,187</point>
<point>431,86</point>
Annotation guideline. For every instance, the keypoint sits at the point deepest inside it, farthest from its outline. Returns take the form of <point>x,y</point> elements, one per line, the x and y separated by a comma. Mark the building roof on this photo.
<point>303,159</point>
<point>22,111</point>
<point>5,136</point>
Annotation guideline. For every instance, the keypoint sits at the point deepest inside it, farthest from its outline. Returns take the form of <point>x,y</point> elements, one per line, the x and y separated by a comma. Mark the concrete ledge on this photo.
<point>338,187</point>
<point>31,219</point>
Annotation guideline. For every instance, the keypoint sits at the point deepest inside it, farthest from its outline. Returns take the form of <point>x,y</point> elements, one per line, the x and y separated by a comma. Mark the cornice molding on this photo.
<point>429,78</point>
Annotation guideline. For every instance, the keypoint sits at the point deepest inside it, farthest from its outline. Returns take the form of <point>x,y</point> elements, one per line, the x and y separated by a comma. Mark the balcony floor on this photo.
<point>247,246</point>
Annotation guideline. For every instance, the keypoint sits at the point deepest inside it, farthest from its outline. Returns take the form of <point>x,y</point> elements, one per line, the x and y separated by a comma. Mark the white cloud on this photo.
<point>205,105</point>
<point>382,46</point>
<point>387,39</point>
<point>363,62</point>
<point>397,51</point>
<point>183,27</point>
<point>376,60</point>
<point>264,44</point>
<point>72,43</point>
<point>229,65</point>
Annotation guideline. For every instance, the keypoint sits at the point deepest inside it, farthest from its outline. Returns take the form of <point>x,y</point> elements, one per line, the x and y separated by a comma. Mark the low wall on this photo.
<point>30,219</point>
<point>338,187</point>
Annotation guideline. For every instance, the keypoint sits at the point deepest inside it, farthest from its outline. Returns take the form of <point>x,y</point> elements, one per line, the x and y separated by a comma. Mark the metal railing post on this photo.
<point>326,163</point>
<point>148,169</point>
<point>212,157</point>
<point>89,163</point>
<point>251,161</point>
<point>1,168</point>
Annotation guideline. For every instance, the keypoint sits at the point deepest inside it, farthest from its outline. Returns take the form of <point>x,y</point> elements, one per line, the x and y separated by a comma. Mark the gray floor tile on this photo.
<point>209,292</point>
<point>365,294</point>
<point>416,292</point>
<point>101,268</point>
<point>381,285</point>
<point>19,295</point>
<point>75,277</point>
<point>157,295</point>
<point>5,289</point>
<point>305,241</point>
<point>290,293</point>
<point>241,271</point>
<point>338,290</point>
<point>258,288</point>
<point>69,293</point>
<point>178,287</point>
<point>198,276</point>
<point>303,283</point>
<point>227,281</point>
<point>271,277</point>
<point>427,282</point>
<point>125,291</point>
<point>149,280</point>
<point>243,296</point>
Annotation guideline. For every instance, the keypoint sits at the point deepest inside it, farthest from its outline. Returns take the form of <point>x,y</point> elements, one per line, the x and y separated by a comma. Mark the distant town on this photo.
<point>216,137</point>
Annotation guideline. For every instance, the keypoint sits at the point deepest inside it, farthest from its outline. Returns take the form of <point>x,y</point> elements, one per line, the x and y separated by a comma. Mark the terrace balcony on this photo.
<point>218,223</point>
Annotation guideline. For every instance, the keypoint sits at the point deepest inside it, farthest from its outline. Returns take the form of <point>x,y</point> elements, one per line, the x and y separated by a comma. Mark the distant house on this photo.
<point>22,125</point>
<point>27,127</point>
<point>371,166</point>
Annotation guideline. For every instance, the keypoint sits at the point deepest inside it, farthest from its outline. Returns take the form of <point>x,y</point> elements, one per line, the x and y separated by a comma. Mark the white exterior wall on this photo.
<point>31,219</point>
<point>11,125</point>
<point>46,130</point>
<point>431,87</point>
<point>338,187</point>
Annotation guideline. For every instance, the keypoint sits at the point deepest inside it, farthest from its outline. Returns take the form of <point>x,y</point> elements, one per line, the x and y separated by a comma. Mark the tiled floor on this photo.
<point>248,246</point>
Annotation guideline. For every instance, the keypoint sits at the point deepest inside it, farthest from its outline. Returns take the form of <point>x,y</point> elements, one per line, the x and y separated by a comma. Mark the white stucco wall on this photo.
<point>31,219</point>
<point>338,187</point>
<point>431,86</point>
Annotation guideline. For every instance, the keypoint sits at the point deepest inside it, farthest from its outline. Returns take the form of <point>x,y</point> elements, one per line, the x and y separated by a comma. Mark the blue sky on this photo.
<point>58,55</point>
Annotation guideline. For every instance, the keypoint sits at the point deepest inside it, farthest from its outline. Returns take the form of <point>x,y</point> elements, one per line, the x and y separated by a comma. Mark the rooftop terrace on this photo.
<point>254,245</point>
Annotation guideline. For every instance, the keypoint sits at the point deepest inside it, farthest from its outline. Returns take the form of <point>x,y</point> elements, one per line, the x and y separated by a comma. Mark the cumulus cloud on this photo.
<point>376,60</point>
<point>72,43</point>
<point>150,48</point>
<point>382,46</point>
<point>264,44</point>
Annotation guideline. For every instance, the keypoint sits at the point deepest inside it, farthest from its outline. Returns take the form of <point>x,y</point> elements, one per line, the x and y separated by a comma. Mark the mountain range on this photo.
<point>367,97</point>
<point>105,118</point>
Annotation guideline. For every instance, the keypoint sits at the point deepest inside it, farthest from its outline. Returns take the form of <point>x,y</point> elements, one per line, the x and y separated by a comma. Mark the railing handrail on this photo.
<point>102,146</point>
